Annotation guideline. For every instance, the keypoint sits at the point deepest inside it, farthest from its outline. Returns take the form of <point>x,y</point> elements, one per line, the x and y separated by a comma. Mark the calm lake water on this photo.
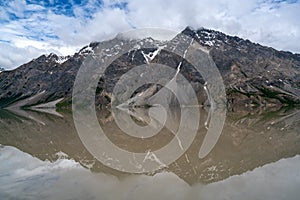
<point>256,157</point>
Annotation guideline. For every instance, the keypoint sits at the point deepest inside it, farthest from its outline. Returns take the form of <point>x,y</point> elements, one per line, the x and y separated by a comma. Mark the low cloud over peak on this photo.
<point>30,28</point>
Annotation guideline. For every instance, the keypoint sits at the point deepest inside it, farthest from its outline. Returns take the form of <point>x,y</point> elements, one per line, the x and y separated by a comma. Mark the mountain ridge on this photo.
<point>254,75</point>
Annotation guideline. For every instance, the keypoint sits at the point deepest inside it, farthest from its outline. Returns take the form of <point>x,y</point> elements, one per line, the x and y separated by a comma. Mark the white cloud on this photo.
<point>38,27</point>
<point>11,55</point>
<point>266,22</point>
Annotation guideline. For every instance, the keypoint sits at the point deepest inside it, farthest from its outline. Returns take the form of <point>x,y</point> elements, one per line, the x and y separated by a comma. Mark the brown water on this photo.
<point>256,157</point>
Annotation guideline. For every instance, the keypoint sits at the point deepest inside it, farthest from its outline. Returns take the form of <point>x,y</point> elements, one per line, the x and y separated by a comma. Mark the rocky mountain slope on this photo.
<point>254,75</point>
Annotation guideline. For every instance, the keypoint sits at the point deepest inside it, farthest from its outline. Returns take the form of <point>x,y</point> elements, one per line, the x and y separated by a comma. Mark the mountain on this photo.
<point>254,75</point>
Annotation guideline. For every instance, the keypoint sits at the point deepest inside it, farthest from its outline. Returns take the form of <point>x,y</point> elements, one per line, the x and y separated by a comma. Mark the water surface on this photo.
<point>256,157</point>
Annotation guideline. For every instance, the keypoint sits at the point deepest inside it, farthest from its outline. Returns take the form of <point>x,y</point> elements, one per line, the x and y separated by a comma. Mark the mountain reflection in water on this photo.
<point>250,140</point>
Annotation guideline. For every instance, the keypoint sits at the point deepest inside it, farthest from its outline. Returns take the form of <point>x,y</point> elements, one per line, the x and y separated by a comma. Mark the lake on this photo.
<point>42,156</point>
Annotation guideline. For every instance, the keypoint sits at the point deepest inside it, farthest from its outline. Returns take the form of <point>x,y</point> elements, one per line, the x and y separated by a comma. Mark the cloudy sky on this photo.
<point>29,28</point>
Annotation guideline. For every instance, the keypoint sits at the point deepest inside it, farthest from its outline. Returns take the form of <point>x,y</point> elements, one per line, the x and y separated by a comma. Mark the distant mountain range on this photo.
<point>254,75</point>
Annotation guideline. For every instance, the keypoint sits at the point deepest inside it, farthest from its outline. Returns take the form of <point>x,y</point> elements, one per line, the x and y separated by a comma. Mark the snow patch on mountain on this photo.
<point>151,55</point>
<point>62,59</point>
